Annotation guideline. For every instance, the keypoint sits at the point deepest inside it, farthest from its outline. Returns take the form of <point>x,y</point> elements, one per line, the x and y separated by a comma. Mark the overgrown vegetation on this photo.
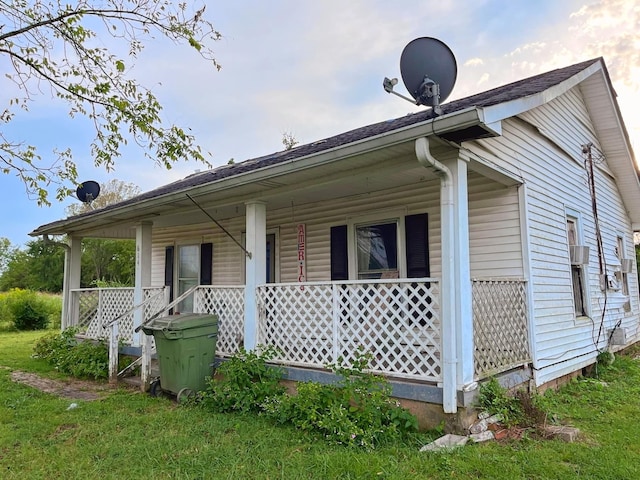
<point>81,359</point>
<point>28,310</point>
<point>355,411</point>
<point>494,399</point>
<point>245,381</point>
<point>146,437</point>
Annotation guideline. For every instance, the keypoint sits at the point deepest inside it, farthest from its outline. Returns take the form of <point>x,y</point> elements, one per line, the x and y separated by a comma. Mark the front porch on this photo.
<point>314,324</point>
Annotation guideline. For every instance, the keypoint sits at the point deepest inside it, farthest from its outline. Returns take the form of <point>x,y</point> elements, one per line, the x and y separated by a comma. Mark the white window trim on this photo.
<point>389,216</point>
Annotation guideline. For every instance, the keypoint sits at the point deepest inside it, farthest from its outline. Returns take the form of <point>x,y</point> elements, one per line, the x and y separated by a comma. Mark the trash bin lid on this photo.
<point>183,321</point>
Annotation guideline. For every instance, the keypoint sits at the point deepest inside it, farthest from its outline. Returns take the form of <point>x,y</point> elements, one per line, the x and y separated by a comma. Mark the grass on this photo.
<point>129,435</point>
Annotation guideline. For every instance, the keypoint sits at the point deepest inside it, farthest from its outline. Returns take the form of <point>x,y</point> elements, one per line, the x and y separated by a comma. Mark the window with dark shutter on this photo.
<point>339,260</point>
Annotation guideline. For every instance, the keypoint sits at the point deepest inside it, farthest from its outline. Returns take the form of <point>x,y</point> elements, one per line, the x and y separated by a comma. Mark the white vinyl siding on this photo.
<point>544,146</point>
<point>494,231</point>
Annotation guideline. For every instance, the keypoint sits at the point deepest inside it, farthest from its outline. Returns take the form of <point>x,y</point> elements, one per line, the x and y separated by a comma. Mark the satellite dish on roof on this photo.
<point>429,72</point>
<point>88,191</point>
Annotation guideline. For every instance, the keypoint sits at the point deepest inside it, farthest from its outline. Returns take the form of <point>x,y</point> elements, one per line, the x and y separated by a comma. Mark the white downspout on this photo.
<point>449,360</point>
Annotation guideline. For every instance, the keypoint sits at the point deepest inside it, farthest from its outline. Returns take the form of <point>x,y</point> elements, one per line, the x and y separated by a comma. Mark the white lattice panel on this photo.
<point>228,304</point>
<point>87,303</point>
<point>324,323</point>
<point>298,321</point>
<point>113,303</point>
<point>499,325</point>
<point>397,322</point>
<point>157,301</point>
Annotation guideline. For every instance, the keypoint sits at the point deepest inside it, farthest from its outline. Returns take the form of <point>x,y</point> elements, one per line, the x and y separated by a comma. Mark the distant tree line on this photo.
<point>39,265</point>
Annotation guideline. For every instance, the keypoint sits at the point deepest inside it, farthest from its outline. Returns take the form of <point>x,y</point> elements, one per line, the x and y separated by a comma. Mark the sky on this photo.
<point>314,69</point>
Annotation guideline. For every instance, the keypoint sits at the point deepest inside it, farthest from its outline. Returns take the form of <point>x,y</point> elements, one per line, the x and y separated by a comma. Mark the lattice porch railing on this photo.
<point>320,323</point>
<point>228,303</point>
<point>96,307</point>
<point>500,325</point>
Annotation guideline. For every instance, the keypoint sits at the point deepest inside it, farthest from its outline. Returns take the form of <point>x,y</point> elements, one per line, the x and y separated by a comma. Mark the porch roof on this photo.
<point>473,117</point>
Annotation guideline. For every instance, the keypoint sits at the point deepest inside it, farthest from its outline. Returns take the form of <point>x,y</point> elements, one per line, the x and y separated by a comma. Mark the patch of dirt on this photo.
<point>72,389</point>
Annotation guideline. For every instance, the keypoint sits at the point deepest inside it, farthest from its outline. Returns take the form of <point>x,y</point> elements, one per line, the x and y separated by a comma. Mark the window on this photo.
<point>577,271</point>
<point>623,276</point>
<point>377,250</point>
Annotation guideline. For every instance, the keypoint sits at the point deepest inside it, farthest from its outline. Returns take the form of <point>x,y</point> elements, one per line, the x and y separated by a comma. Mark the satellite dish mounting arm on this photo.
<point>388,85</point>
<point>427,94</point>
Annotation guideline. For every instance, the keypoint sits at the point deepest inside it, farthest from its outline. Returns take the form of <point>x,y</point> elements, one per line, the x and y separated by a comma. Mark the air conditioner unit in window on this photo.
<point>626,265</point>
<point>579,255</point>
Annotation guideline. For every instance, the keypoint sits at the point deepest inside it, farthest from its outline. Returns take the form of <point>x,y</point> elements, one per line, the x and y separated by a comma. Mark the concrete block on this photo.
<point>446,442</point>
<point>479,427</point>
<point>481,437</point>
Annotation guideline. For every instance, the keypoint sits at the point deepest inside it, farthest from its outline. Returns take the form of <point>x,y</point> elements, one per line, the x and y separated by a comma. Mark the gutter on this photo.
<point>459,120</point>
<point>449,359</point>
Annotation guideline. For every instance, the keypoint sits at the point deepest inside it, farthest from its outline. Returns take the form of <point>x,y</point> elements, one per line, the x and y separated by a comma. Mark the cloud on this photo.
<point>473,62</point>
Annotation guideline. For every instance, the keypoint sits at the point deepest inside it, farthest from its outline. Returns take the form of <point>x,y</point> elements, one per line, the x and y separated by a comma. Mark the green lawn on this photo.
<point>130,435</point>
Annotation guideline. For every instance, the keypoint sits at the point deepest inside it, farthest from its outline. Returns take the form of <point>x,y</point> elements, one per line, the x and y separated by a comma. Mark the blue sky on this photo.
<point>315,69</point>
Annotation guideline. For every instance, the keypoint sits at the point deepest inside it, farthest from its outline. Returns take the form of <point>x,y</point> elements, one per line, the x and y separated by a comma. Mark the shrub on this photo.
<point>246,382</point>
<point>356,411</point>
<point>28,310</point>
<point>82,359</point>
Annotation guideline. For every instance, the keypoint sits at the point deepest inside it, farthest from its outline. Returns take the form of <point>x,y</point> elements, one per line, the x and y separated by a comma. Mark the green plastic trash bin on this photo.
<point>185,347</point>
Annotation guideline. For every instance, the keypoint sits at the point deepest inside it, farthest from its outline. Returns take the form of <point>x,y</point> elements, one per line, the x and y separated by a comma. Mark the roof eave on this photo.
<point>470,119</point>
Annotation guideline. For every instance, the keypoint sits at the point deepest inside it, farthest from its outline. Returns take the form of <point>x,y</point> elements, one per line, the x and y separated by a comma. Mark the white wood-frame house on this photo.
<point>493,239</point>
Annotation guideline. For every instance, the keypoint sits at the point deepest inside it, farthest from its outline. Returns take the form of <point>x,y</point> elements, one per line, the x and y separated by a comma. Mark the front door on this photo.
<point>188,274</point>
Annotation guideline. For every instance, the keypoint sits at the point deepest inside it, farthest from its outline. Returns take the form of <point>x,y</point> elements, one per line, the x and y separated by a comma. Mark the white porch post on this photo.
<point>71,281</point>
<point>462,274</point>
<point>142,274</point>
<point>142,280</point>
<point>457,315</point>
<point>256,268</point>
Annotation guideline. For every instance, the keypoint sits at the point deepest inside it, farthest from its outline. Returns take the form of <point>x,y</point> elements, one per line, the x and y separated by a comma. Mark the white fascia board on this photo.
<point>502,111</point>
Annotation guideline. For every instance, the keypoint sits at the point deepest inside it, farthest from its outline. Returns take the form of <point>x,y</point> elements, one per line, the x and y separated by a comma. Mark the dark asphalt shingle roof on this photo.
<point>512,91</point>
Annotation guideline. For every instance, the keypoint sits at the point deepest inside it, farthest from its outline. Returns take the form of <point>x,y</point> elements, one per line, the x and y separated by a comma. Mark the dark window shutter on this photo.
<point>206,264</point>
<point>168,269</point>
<point>339,262</point>
<point>417,245</point>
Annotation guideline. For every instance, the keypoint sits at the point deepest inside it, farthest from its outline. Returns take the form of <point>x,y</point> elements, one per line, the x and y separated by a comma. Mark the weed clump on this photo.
<point>515,409</point>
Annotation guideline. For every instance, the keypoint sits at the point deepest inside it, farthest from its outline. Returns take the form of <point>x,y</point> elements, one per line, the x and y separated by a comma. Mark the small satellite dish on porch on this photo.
<point>429,70</point>
<point>88,191</point>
